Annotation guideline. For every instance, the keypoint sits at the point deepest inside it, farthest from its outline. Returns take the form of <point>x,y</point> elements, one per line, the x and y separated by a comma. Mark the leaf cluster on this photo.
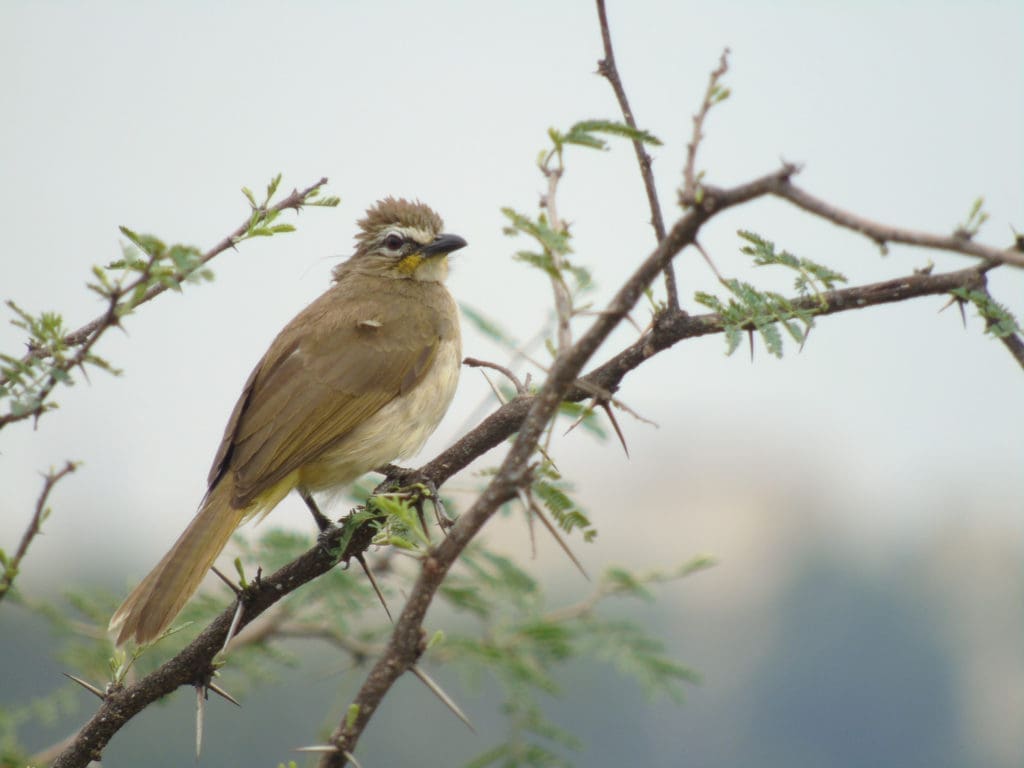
<point>999,320</point>
<point>523,643</point>
<point>25,382</point>
<point>553,492</point>
<point>748,308</point>
<point>146,267</point>
<point>551,256</point>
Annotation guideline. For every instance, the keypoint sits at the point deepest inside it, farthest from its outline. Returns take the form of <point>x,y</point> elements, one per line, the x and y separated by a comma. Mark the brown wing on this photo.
<point>331,368</point>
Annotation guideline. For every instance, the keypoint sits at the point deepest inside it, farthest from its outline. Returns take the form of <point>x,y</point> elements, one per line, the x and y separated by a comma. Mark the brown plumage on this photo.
<point>359,378</point>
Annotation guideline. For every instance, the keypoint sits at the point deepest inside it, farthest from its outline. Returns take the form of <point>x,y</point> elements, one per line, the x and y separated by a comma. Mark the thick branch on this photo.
<point>607,68</point>
<point>192,666</point>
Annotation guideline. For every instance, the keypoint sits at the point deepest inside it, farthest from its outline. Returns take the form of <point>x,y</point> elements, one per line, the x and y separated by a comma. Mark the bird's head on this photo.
<point>402,239</point>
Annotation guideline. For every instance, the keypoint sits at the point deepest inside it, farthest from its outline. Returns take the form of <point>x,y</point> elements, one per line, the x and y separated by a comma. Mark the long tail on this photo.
<point>152,606</point>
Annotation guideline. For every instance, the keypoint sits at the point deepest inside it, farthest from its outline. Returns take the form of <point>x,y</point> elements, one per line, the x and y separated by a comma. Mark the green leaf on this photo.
<point>351,715</point>
<point>272,186</point>
<point>556,242</point>
<point>613,128</point>
<point>999,321</point>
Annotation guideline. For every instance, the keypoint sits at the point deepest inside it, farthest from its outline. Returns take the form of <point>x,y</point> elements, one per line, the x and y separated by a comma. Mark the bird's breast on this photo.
<point>397,431</point>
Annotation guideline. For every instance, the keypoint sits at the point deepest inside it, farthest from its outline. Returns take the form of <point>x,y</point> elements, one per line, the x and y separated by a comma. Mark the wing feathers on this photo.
<point>331,368</point>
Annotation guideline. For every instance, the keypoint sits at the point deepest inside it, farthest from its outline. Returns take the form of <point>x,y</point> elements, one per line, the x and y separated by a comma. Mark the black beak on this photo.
<point>443,244</point>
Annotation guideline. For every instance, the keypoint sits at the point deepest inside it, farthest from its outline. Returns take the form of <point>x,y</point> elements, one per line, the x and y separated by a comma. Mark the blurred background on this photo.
<point>863,497</point>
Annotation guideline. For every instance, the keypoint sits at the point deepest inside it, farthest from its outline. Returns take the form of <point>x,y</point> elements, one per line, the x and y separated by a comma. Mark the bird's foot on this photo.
<point>416,488</point>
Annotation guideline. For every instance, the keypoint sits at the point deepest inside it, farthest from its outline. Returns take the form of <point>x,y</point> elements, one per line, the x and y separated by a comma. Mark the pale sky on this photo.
<point>154,116</point>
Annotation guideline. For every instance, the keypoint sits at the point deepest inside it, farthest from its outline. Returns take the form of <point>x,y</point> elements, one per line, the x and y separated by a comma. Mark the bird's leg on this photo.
<point>324,524</point>
<point>322,521</point>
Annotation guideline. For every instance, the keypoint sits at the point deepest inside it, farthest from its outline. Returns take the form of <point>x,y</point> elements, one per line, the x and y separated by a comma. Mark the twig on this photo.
<point>473,362</point>
<point>608,69</point>
<point>563,299</point>
<point>293,201</point>
<point>689,193</point>
<point>85,338</point>
<point>10,568</point>
<point>607,588</point>
<point>1016,347</point>
<point>884,233</point>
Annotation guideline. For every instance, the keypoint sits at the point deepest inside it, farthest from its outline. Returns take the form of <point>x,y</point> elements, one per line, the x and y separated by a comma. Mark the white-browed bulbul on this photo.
<point>359,378</point>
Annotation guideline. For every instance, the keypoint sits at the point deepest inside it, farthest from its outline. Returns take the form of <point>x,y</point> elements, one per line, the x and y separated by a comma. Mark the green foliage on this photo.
<point>553,492</point>
<point>45,710</point>
<point>147,267</point>
<point>522,644</point>
<point>811,279</point>
<point>587,133</point>
<point>999,321</point>
<point>25,382</point>
<point>976,217</point>
<point>748,308</point>
<point>403,526</point>
<point>554,242</point>
<point>718,93</point>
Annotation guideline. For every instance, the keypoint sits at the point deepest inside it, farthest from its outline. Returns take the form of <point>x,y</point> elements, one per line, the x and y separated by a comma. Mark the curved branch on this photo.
<point>884,233</point>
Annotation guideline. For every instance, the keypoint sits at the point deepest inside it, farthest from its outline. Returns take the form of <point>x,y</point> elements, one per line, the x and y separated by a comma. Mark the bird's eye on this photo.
<point>393,242</point>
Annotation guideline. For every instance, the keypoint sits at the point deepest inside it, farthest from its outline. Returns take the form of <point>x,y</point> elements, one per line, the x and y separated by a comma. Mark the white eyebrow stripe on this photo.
<point>417,235</point>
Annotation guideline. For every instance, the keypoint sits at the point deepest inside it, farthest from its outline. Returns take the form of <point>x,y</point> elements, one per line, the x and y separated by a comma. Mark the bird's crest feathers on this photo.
<point>397,212</point>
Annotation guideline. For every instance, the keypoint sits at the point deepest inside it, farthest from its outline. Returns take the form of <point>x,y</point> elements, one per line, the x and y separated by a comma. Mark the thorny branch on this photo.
<point>608,69</point>
<point>527,415</point>
<point>194,662</point>
<point>11,566</point>
<point>85,338</point>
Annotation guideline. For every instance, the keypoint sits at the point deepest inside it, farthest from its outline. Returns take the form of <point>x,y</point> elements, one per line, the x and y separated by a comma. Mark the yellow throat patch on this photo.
<point>409,264</point>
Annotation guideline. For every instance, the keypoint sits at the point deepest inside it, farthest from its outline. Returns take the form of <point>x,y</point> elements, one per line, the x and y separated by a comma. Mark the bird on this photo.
<point>359,378</point>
